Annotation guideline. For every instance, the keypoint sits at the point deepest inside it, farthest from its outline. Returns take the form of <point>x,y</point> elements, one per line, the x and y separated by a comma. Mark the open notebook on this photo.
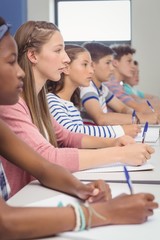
<point>118,167</point>
<point>152,135</point>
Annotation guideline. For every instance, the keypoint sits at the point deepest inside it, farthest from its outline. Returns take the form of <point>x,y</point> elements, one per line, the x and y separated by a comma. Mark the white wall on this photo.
<point>41,10</point>
<point>146,40</point>
<point>145,36</point>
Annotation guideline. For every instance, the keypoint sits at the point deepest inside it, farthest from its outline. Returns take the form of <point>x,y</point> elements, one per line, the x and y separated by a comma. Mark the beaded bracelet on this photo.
<point>80,217</point>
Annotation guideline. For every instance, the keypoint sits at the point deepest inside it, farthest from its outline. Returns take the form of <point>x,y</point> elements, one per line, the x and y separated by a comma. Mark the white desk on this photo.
<point>35,192</point>
<point>144,177</point>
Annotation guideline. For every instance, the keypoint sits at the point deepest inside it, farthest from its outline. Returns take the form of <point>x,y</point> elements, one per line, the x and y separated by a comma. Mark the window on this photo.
<point>104,21</point>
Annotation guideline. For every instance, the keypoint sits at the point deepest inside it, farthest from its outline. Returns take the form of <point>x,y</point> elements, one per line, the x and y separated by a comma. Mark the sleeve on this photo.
<point>19,120</point>
<point>118,91</point>
<point>87,93</point>
<point>127,89</point>
<point>69,117</point>
<point>140,94</point>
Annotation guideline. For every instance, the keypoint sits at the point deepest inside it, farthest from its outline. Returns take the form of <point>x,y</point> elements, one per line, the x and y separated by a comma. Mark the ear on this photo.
<point>93,64</point>
<point>32,56</point>
<point>115,63</point>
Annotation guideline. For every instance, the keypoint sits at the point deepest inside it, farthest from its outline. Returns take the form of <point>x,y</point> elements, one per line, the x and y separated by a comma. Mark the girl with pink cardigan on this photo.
<point>42,56</point>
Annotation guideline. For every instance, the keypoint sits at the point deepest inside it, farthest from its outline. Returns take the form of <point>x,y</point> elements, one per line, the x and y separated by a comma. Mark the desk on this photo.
<point>144,177</point>
<point>35,192</point>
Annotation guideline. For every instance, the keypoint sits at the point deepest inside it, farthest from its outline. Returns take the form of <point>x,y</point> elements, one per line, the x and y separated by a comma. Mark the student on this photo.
<point>124,67</point>
<point>129,84</point>
<point>42,56</point>
<point>98,95</point>
<point>64,97</point>
<point>28,223</point>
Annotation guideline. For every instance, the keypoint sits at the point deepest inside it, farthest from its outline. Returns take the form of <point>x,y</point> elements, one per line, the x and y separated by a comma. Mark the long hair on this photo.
<point>72,50</point>
<point>34,34</point>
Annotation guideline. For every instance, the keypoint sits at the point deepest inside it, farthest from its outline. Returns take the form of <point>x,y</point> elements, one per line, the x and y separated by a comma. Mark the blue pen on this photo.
<point>128,179</point>
<point>144,132</point>
<point>133,116</point>
<point>149,104</point>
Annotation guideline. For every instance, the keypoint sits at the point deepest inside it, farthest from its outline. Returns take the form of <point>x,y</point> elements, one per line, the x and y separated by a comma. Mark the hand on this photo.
<point>132,130</point>
<point>94,191</point>
<point>152,118</point>
<point>124,140</point>
<point>126,209</point>
<point>136,154</point>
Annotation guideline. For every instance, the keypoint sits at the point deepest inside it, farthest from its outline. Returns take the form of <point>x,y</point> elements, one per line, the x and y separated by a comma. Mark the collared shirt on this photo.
<point>4,186</point>
<point>117,89</point>
<point>102,95</point>
<point>131,90</point>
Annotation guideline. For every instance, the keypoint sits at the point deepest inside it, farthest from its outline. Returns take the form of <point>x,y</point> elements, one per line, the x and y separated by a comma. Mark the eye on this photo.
<point>12,61</point>
<point>58,50</point>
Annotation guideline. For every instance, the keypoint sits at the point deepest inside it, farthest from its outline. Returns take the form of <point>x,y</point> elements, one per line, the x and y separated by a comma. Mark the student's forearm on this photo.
<point>90,142</point>
<point>62,180</point>
<point>94,158</point>
<point>114,119</point>
<point>29,223</point>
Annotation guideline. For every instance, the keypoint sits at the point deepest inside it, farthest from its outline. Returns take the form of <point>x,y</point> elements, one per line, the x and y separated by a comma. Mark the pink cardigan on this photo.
<point>19,120</point>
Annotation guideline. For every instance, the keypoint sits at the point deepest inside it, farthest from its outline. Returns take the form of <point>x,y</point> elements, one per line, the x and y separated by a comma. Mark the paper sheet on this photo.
<point>118,167</point>
<point>152,135</point>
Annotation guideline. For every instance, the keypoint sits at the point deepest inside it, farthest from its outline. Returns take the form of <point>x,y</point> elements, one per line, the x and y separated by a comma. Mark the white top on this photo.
<point>102,95</point>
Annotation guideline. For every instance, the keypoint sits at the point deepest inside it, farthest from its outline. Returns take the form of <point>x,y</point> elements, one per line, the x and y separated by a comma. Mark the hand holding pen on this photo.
<point>128,180</point>
<point>144,132</point>
<point>133,116</point>
<point>151,107</point>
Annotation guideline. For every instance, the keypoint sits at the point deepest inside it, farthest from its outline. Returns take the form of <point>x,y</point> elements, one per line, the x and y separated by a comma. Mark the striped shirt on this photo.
<point>117,89</point>
<point>69,116</point>
<point>4,186</point>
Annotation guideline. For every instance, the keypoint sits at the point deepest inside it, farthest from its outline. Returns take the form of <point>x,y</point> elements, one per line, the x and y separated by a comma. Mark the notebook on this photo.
<point>152,135</point>
<point>118,167</point>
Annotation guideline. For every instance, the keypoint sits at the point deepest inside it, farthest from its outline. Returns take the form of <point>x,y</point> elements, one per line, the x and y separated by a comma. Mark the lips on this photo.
<point>20,86</point>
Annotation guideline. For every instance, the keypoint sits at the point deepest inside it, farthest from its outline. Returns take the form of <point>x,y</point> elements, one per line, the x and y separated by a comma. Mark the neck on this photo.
<point>67,91</point>
<point>118,76</point>
<point>39,81</point>
<point>96,82</point>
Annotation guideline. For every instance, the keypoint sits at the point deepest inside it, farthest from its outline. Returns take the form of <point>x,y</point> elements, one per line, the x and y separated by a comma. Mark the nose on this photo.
<point>66,58</point>
<point>91,70</point>
<point>20,72</point>
<point>111,67</point>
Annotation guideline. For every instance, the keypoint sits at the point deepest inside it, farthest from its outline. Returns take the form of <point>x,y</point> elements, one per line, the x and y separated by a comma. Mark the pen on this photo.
<point>128,180</point>
<point>149,104</point>
<point>144,132</point>
<point>133,116</point>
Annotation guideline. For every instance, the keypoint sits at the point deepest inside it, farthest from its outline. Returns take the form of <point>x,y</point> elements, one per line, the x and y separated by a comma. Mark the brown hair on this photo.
<point>122,50</point>
<point>98,50</point>
<point>72,51</point>
<point>34,34</point>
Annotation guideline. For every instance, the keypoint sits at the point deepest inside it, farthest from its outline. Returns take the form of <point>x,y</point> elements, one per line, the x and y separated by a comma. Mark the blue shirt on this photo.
<point>4,186</point>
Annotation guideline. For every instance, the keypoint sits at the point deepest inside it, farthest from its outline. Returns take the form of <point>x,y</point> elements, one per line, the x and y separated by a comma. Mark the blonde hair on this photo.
<point>34,34</point>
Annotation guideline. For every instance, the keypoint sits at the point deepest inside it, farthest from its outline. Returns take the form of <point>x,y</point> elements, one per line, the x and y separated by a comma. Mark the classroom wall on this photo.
<point>145,32</point>
<point>145,36</point>
<point>146,40</point>
<point>14,12</point>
